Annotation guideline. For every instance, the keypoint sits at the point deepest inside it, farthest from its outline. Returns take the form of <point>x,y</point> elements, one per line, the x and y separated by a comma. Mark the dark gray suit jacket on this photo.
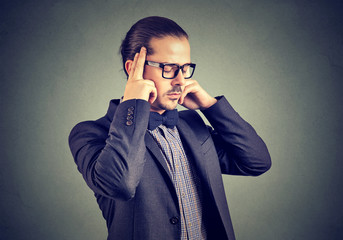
<point>123,165</point>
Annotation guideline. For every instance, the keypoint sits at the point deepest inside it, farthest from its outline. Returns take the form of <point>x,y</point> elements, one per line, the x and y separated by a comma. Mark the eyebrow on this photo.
<point>175,63</point>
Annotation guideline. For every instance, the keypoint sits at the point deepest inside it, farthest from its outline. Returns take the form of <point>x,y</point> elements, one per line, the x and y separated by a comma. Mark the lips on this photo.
<point>174,95</point>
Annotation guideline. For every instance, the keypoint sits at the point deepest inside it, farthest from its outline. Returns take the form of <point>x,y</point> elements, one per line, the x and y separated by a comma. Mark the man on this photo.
<point>156,172</point>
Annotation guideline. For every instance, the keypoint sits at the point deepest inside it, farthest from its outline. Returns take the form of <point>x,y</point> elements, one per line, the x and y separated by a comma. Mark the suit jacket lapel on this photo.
<point>193,146</point>
<point>156,152</point>
<point>212,178</point>
<point>159,158</point>
<point>188,138</point>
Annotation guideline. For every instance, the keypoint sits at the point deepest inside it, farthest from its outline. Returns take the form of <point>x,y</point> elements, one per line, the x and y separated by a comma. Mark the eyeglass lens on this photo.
<point>171,71</point>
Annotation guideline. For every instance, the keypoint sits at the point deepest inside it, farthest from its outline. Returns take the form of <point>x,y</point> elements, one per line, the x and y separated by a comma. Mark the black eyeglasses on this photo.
<point>171,70</point>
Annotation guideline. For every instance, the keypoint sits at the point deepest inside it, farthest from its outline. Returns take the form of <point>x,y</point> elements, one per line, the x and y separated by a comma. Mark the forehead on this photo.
<point>170,50</point>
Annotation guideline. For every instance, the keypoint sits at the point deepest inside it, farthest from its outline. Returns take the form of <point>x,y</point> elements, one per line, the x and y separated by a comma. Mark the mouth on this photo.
<point>174,95</point>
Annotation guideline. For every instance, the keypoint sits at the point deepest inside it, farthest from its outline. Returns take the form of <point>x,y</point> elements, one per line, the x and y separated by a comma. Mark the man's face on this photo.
<point>167,50</point>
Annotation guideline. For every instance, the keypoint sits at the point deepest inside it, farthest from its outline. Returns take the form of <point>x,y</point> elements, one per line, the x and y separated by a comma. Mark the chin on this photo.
<point>166,106</point>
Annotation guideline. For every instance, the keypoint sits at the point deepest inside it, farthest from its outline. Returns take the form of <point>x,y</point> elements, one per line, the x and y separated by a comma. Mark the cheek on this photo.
<point>161,84</point>
<point>160,87</point>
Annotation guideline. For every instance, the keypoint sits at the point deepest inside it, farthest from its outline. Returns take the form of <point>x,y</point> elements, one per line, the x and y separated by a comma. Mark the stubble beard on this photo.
<point>169,104</point>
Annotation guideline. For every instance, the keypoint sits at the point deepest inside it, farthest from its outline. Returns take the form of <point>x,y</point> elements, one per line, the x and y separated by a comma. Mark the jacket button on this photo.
<point>129,123</point>
<point>130,110</point>
<point>174,220</point>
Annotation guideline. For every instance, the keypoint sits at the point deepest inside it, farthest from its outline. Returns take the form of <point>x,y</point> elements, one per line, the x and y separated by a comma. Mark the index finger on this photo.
<point>139,66</point>
<point>132,68</point>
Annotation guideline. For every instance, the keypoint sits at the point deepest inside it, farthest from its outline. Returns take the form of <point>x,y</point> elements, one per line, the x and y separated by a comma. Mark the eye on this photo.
<point>168,68</point>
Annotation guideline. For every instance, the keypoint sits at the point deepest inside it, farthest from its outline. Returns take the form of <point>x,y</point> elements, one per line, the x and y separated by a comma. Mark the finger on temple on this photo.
<point>139,68</point>
<point>132,68</point>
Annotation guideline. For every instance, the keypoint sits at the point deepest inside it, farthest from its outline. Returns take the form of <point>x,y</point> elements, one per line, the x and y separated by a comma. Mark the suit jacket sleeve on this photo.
<point>111,160</point>
<point>240,150</point>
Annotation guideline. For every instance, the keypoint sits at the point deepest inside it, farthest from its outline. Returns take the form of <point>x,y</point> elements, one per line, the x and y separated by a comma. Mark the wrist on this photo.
<point>209,103</point>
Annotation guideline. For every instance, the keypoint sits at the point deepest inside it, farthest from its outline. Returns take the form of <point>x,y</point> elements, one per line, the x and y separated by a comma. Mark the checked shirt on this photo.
<point>186,184</point>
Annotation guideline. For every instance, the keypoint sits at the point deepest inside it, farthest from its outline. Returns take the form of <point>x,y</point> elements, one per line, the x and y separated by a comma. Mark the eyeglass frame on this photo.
<point>161,65</point>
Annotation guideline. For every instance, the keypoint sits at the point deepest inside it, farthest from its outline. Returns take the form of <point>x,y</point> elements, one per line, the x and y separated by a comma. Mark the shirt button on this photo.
<point>174,220</point>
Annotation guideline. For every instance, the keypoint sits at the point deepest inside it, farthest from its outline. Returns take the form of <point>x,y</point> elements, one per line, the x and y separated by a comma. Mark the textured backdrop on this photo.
<point>279,63</point>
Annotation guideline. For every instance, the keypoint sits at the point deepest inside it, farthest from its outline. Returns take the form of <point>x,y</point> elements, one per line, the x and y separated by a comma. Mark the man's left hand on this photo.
<point>195,97</point>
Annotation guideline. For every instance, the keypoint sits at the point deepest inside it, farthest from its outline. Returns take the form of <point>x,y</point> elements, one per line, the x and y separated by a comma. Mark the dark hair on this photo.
<point>143,31</point>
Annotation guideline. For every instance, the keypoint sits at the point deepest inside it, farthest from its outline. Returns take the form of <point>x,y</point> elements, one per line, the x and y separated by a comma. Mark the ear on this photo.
<point>128,65</point>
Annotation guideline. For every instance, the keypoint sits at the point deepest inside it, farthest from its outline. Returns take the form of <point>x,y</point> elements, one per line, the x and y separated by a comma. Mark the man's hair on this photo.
<point>143,31</point>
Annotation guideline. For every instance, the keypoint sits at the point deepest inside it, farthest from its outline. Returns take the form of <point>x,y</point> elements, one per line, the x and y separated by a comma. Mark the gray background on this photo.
<point>279,63</point>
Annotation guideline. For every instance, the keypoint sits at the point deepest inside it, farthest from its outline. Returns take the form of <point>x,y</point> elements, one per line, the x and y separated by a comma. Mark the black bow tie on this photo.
<point>168,119</point>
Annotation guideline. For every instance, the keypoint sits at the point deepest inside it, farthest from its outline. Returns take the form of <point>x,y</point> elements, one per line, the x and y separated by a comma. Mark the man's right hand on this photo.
<point>136,86</point>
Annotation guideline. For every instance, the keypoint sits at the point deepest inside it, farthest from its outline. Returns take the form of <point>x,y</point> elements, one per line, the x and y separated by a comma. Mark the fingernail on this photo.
<point>143,48</point>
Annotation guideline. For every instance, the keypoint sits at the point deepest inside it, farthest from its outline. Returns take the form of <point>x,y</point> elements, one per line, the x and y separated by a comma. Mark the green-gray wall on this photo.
<point>279,63</point>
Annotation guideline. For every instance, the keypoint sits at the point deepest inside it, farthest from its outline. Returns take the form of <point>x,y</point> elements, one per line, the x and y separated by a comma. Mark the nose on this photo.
<point>179,79</point>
